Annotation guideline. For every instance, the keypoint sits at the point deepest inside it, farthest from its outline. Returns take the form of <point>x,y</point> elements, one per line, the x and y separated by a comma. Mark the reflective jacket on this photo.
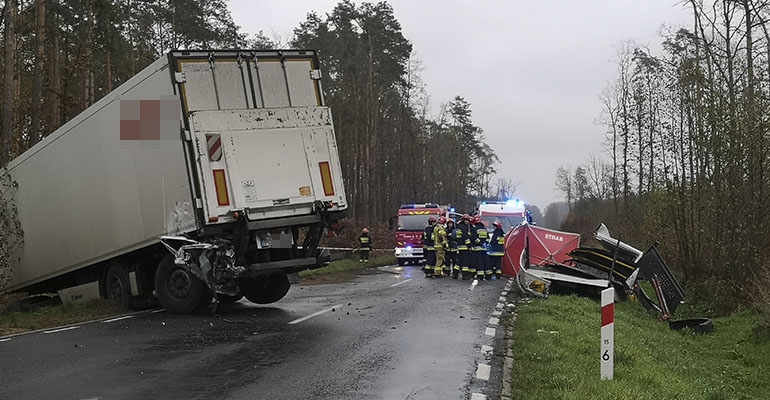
<point>450,238</point>
<point>497,243</point>
<point>462,235</point>
<point>365,242</point>
<point>427,238</point>
<point>480,237</point>
<point>439,237</point>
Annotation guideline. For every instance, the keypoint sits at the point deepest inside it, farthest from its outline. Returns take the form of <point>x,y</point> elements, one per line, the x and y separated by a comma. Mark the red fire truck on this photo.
<point>412,219</point>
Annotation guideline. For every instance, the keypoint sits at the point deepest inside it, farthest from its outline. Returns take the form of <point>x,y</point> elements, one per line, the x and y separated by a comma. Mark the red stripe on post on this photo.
<point>608,314</point>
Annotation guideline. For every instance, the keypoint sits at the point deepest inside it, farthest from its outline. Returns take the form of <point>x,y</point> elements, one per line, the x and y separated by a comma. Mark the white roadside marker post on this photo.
<point>608,333</point>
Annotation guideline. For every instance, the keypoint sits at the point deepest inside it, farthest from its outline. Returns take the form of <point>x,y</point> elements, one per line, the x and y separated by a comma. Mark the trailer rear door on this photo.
<point>263,141</point>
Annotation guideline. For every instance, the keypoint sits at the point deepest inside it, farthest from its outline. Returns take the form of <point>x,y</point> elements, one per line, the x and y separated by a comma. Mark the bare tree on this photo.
<point>506,188</point>
<point>565,183</point>
<point>599,178</point>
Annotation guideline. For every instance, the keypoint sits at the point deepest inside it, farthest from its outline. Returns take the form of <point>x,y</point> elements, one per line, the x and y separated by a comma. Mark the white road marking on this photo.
<point>5,340</point>
<point>478,396</point>
<point>502,298</point>
<point>62,329</point>
<point>296,321</point>
<point>494,321</point>
<point>473,284</point>
<point>504,293</point>
<point>486,349</point>
<point>497,313</point>
<point>483,372</point>
<point>156,311</point>
<point>490,332</point>
<point>400,283</point>
<point>499,305</point>
<point>117,319</point>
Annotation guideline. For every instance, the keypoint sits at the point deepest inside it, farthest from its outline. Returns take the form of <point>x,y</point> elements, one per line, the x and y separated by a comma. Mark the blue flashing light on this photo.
<point>409,247</point>
<point>452,209</point>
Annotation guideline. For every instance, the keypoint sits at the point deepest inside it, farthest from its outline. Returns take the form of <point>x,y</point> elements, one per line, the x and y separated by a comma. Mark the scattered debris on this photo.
<point>699,326</point>
<point>540,258</point>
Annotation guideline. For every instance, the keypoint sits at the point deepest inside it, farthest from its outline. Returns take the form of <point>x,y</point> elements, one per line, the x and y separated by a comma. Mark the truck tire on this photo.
<point>265,290</point>
<point>117,286</point>
<point>401,262</point>
<point>178,291</point>
<point>699,326</point>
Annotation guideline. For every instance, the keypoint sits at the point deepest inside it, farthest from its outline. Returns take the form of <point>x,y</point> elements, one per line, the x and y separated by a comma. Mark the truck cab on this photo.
<point>412,219</point>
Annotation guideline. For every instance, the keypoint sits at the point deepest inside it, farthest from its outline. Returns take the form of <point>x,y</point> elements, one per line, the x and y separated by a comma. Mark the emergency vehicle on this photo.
<point>510,213</point>
<point>412,219</point>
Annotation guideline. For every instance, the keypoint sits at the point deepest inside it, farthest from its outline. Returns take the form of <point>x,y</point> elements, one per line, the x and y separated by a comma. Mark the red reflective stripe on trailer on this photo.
<point>220,183</point>
<point>326,178</point>
<point>214,143</point>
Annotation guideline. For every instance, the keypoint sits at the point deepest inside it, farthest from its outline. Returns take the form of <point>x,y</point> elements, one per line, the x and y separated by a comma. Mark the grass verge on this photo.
<point>556,355</point>
<point>348,265</point>
<point>59,315</point>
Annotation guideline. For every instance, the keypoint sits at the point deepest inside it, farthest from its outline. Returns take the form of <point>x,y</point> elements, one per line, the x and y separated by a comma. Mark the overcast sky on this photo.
<point>532,70</point>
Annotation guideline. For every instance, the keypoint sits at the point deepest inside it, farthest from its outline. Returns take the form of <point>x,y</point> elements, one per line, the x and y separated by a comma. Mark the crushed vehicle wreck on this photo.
<point>540,258</point>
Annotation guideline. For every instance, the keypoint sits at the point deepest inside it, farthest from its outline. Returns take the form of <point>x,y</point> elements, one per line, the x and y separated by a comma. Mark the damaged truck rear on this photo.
<point>208,174</point>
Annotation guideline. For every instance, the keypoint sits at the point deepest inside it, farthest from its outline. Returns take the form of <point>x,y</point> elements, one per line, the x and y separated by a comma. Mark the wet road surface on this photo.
<point>388,334</point>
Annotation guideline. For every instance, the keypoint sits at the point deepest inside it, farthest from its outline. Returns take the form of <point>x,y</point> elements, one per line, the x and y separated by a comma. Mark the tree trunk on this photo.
<point>9,88</point>
<point>37,94</point>
<point>54,91</point>
<point>109,71</point>
<point>88,74</point>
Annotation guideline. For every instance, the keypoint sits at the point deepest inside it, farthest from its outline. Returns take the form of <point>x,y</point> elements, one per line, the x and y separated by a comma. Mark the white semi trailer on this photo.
<point>209,173</point>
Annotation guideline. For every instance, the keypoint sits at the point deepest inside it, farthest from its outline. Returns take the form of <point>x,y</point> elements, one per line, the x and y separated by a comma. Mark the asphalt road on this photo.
<point>388,334</point>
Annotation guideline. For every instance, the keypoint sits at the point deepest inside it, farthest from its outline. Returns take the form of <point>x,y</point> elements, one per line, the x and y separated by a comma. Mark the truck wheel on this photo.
<point>401,262</point>
<point>117,286</point>
<point>178,291</point>
<point>265,290</point>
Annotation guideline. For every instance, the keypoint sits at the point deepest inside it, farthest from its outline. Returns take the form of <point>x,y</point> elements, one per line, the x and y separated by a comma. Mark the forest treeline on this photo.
<point>59,57</point>
<point>689,154</point>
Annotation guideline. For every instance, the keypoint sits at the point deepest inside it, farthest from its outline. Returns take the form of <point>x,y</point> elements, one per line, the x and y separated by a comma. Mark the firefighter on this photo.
<point>440,244</point>
<point>428,249</point>
<point>364,246</point>
<point>451,252</point>
<point>462,236</point>
<point>480,238</point>
<point>496,251</point>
